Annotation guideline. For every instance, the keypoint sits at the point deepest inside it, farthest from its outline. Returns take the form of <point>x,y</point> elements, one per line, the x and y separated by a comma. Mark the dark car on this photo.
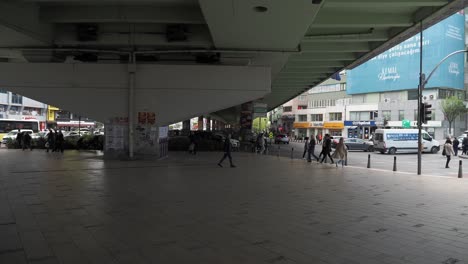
<point>359,144</point>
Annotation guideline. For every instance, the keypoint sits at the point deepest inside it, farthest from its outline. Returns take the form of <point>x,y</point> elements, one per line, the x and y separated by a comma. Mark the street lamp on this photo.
<point>422,83</point>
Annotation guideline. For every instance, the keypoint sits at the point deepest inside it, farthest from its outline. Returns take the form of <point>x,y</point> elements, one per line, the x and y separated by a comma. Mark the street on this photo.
<point>432,164</point>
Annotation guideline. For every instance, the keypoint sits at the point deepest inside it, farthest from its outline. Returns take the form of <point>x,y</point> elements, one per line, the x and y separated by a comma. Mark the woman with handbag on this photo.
<point>448,151</point>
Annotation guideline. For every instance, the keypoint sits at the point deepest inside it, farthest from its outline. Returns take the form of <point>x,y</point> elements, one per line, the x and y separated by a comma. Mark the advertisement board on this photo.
<point>398,68</point>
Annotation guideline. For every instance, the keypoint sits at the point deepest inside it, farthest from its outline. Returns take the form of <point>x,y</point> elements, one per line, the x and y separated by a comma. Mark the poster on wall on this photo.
<point>398,68</point>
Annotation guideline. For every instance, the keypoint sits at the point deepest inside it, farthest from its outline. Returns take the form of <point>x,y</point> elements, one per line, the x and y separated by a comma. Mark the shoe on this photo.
<point>233,166</point>
<point>219,164</point>
<point>447,167</point>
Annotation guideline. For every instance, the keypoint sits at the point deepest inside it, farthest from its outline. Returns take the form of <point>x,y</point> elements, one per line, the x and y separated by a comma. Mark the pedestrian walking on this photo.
<point>326,148</point>
<point>320,139</point>
<point>19,138</point>
<point>27,141</point>
<point>306,147</point>
<point>455,146</point>
<point>59,144</point>
<point>311,149</point>
<point>465,145</point>
<point>317,138</point>
<point>341,153</point>
<point>50,141</point>
<point>227,152</point>
<point>193,143</point>
<point>261,143</point>
<point>448,151</point>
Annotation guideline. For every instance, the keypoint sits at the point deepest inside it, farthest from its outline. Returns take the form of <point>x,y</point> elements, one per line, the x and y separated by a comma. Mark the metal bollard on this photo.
<point>394,163</point>
<point>460,170</point>
<point>368,161</point>
<point>292,153</point>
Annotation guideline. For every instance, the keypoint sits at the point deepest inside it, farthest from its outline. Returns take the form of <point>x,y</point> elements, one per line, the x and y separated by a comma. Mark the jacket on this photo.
<point>227,145</point>
<point>341,152</point>
<point>311,145</point>
<point>448,149</point>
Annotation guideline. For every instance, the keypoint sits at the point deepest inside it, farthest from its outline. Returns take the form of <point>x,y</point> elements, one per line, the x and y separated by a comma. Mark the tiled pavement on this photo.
<point>77,208</point>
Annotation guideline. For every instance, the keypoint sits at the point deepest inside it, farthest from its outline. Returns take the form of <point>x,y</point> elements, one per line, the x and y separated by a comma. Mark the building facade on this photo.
<point>15,106</point>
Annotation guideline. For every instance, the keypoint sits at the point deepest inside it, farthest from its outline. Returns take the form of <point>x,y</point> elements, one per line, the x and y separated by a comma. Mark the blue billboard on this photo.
<point>398,68</point>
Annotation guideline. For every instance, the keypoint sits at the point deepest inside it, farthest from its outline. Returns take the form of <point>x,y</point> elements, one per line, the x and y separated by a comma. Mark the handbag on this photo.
<point>443,152</point>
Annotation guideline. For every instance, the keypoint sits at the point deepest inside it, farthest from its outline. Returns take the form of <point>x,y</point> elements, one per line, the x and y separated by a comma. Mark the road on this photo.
<point>432,164</point>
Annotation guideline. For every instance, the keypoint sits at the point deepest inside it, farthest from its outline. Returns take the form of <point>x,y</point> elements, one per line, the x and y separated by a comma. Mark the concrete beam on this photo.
<point>333,19</point>
<point>383,4</point>
<point>196,89</point>
<point>365,37</point>
<point>121,14</point>
<point>23,18</point>
<point>311,56</point>
<point>335,47</point>
<point>313,64</point>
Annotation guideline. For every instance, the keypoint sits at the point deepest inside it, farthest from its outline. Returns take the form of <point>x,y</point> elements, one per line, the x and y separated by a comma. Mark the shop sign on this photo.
<point>359,123</point>
<point>317,124</point>
<point>301,125</point>
<point>333,125</point>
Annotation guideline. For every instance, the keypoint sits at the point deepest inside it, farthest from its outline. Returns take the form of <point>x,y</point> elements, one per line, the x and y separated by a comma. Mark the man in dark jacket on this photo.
<point>19,138</point>
<point>311,149</point>
<point>455,146</point>
<point>27,141</point>
<point>465,145</point>
<point>227,152</point>
<point>326,148</point>
<point>306,147</point>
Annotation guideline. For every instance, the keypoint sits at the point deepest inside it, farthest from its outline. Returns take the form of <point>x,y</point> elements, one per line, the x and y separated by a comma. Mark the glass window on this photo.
<point>16,99</point>
<point>335,116</point>
<point>3,91</point>
<point>401,115</point>
<point>413,95</point>
<point>14,110</point>
<point>387,115</point>
<point>302,118</point>
<point>287,109</point>
<point>316,117</point>
<point>299,107</point>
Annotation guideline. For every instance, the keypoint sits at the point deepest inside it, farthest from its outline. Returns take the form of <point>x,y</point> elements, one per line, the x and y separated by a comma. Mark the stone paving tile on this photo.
<point>187,210</point>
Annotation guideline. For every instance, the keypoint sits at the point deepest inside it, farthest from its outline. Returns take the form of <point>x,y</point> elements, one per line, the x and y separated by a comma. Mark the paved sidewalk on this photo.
<point>77,208</point>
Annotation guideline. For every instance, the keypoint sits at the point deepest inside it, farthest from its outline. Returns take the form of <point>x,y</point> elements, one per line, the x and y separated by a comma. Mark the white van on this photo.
<point>392,141</point>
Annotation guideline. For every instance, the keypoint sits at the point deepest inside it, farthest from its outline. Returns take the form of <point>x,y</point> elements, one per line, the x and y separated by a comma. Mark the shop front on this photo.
<point>334,128</point>
<point>300,129</point>
<point>360,129</point>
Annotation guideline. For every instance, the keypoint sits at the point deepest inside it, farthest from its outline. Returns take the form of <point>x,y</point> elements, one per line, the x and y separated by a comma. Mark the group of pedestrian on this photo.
<point>55,141</point>
<point>24,140</point>
<point>340,154</point>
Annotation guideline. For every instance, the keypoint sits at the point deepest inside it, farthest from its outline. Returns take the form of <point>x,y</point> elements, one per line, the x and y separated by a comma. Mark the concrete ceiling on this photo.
<point>303,41</point>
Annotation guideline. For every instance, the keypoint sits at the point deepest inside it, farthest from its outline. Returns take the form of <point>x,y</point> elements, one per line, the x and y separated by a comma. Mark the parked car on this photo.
<point>13,133</point>
<point>359,144</point>
<point>282,138</point>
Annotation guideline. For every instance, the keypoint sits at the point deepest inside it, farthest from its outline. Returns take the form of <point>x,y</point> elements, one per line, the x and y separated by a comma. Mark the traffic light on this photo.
<point>426,112</point>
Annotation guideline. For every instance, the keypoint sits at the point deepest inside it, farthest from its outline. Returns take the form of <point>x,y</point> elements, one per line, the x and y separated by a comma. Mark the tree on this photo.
<point>452,107</point>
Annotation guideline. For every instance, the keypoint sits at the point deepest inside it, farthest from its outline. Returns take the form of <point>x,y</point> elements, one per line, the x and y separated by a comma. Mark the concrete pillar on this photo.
<point>208,124</point>
<point>186,125</point>
<point>200,123</point>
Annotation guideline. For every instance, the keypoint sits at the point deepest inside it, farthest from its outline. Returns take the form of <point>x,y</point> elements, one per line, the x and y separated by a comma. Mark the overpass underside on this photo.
<point>184,58</point>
